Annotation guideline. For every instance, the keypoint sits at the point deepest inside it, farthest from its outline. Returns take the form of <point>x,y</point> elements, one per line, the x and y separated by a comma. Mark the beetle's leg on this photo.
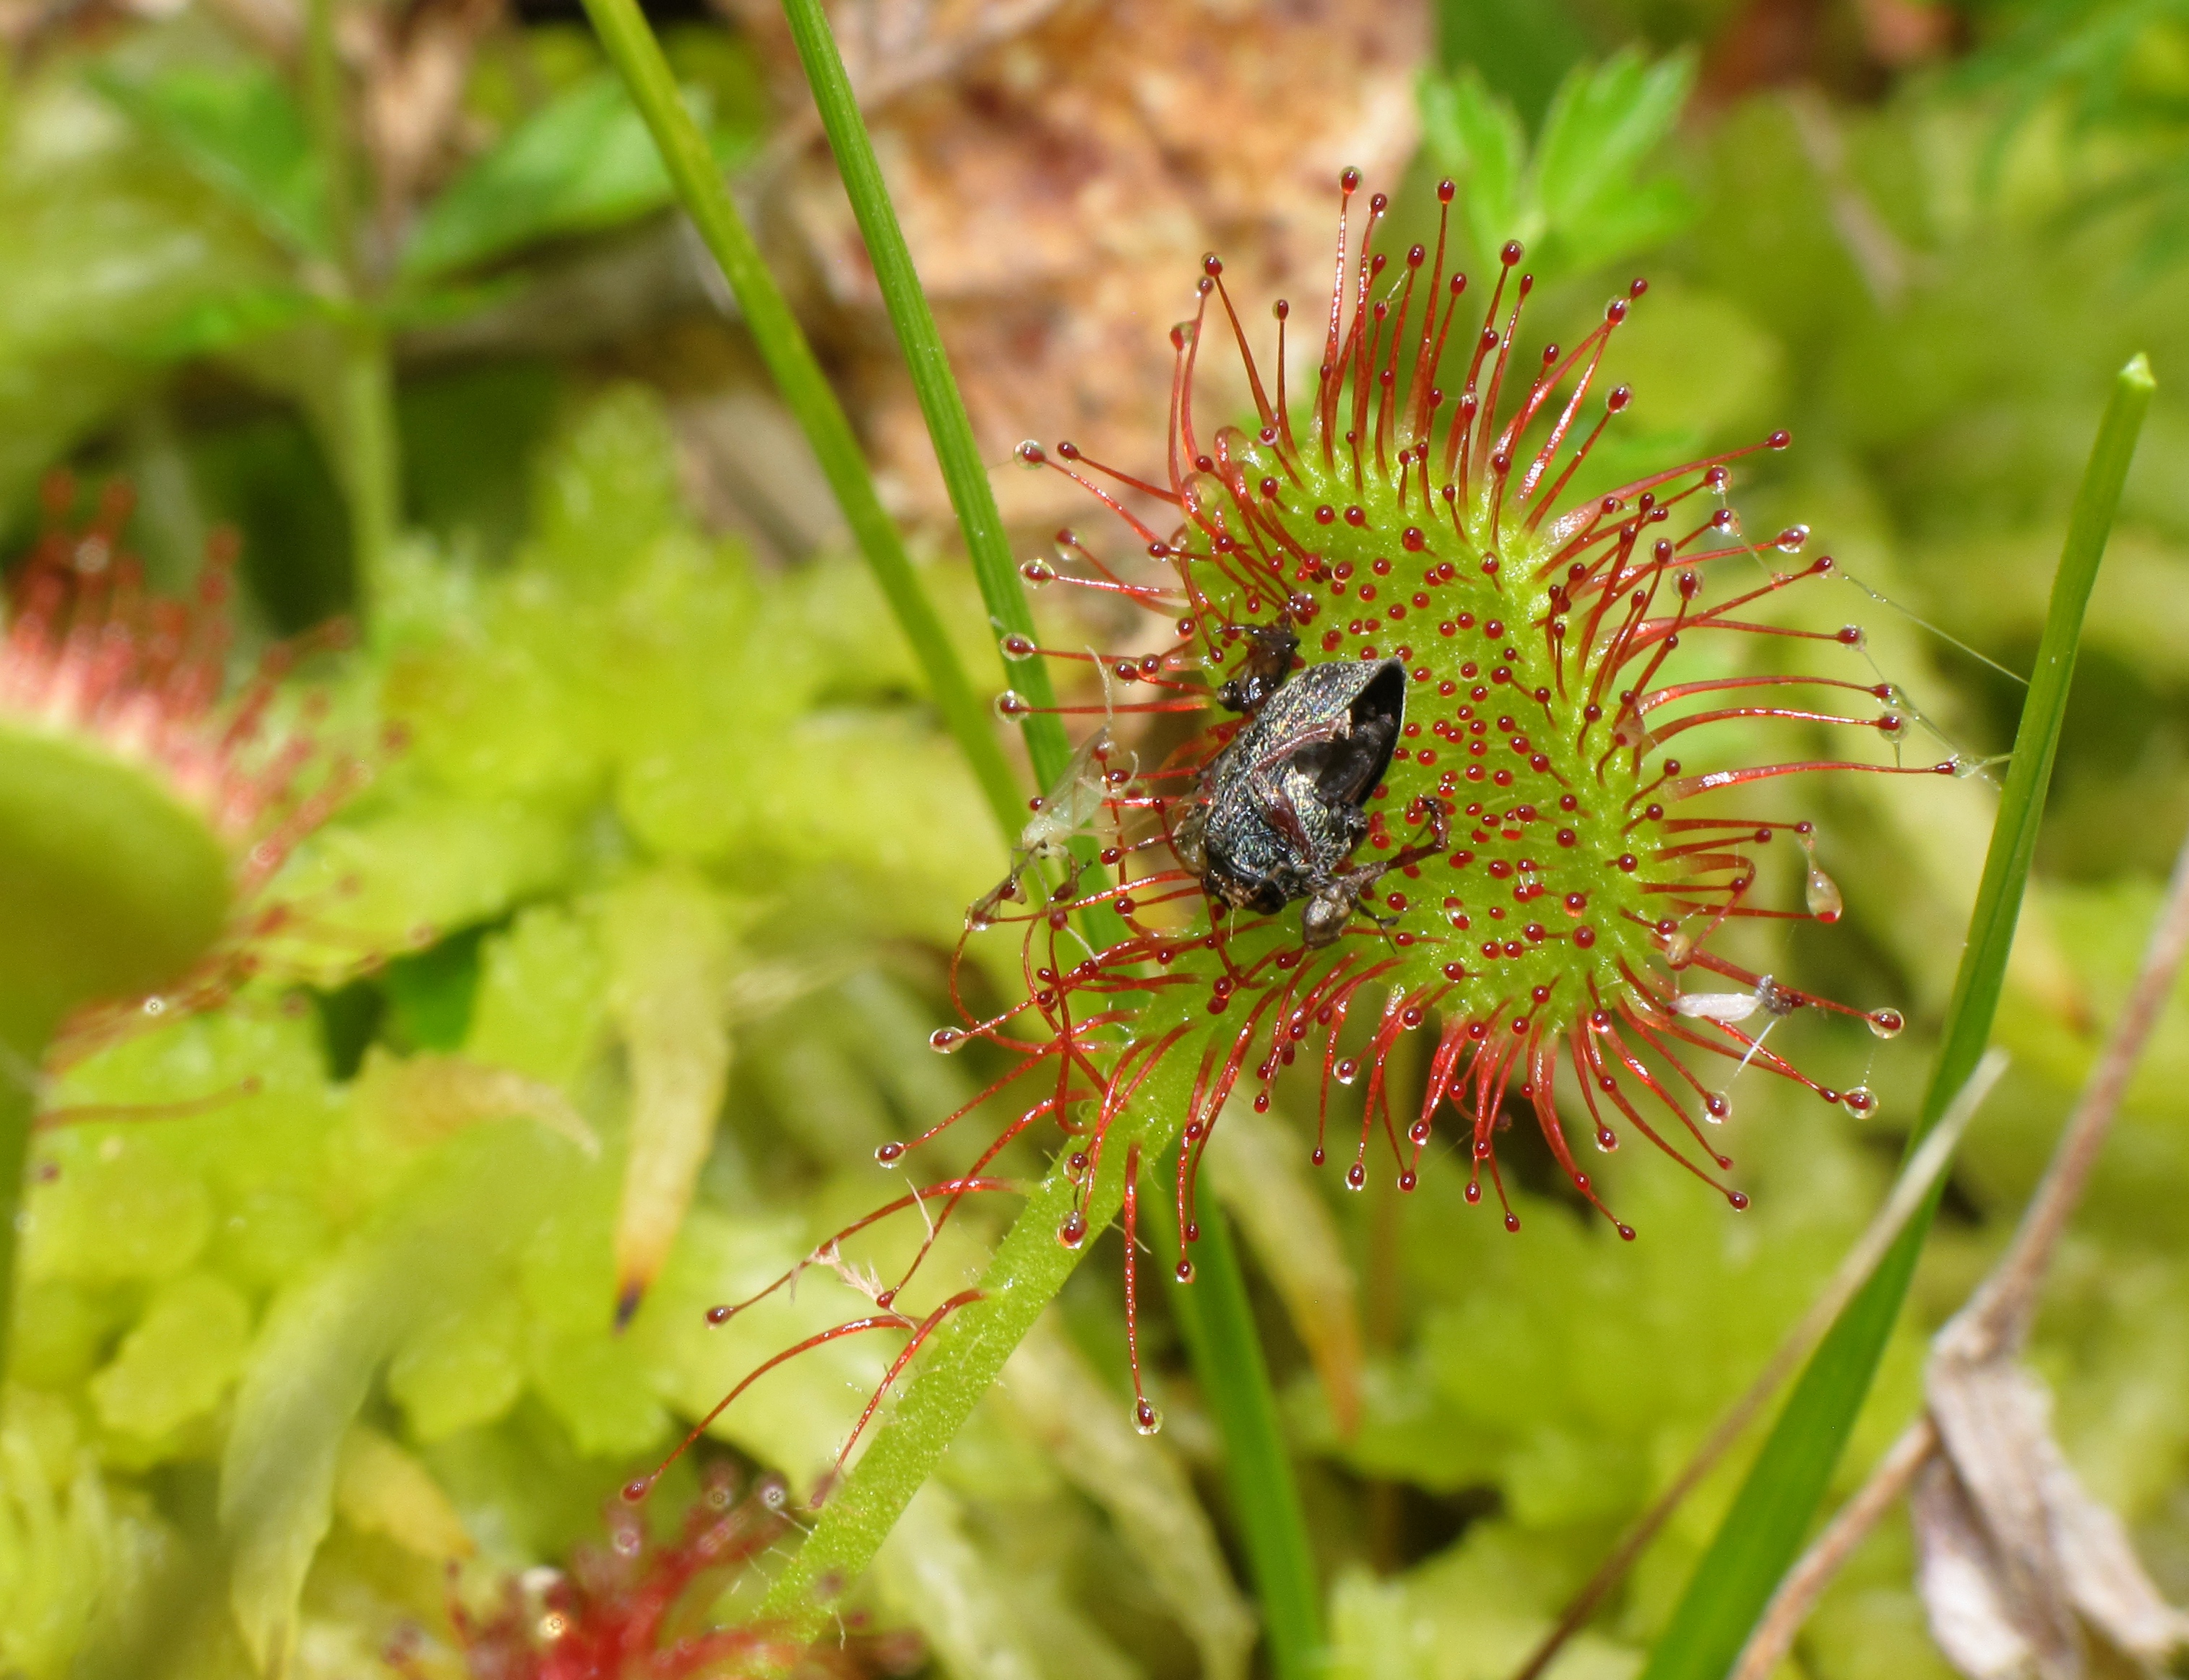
<point>1346,773</point>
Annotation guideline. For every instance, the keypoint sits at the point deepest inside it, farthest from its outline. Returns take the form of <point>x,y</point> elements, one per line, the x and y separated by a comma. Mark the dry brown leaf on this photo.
<point>1058,188</point>
<point>1956,1574</point>
<point>2019,1563</point>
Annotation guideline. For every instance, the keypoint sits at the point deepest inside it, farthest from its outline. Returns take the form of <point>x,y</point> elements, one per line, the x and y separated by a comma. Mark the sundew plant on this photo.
<point>1299,875</point>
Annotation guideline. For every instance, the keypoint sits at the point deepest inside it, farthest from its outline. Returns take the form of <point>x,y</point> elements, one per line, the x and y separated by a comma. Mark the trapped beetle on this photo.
<point>1280,810</point>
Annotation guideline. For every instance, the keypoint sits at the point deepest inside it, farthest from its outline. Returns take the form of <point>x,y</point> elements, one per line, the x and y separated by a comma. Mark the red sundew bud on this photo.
<point>1738,1200</point>
<point>1417,256</point>
<point>1355,517</point>
<point>1511,254</point>
<point>1325,514</point>
<point>1446,191</point>
<point>891,1152</point>
<point>635,1491</point>
<point>1413,542</point>
<point>1356,1176</point>
<point>1637,287</point>
<point>1073,1231</point>
<point>718,1315</point>
<point>944,1040</point>
<point>1584,937</point>
<point>1885,1023</point>
<point>1030,454</point>
<point>1512,1222</point>
<point>1183,1271</point>
<point>1212,265</point>
<point>1378,203</point>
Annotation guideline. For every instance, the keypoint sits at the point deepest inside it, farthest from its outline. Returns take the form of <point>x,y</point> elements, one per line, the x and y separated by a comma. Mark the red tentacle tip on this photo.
<point>636,1489</point>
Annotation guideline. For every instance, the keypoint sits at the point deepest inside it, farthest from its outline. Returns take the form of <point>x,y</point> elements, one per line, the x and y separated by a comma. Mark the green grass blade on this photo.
<point>1771,1515</point>
<point>987,543</point>
<point>637,57</point>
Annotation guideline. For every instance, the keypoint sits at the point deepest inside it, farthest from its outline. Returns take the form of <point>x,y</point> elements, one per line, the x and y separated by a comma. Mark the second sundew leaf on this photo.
<point>667,940</point>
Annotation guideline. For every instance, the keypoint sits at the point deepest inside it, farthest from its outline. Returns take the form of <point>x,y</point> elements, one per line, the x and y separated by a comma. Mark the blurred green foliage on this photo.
<point>332,1304</point>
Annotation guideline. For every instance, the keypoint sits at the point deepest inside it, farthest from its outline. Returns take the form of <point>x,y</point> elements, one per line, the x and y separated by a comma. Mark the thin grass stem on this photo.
<point>638,58</point>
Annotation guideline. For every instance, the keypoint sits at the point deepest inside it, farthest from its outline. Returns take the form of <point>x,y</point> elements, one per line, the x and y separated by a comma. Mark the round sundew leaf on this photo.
<point>110,885</point>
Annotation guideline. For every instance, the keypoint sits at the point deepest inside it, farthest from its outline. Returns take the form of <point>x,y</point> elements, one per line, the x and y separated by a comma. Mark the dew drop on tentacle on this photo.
<point>1073,1231</point>
<point>1146,1418</point>
<point>1016,647</point>
<point>1887,1023</point>
<point>1861,1101</point>
<point>1819,892</point>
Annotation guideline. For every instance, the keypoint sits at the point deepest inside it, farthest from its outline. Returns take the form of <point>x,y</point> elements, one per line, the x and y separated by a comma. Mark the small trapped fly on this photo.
<point>1066,811</point>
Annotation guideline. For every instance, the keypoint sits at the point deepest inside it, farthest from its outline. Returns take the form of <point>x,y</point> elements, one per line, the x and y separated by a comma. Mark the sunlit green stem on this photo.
<point>944,409</point>
<point>19,1062</point>
<point>1770,1518</point>
<point>964,1357</point>
<point>368,455</point>
<point>359,428</point>
<point>637,57</point>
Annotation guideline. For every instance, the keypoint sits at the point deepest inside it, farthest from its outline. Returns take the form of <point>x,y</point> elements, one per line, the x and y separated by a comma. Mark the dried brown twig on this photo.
<point>1906,1195</point>
<point>2015,1552</point>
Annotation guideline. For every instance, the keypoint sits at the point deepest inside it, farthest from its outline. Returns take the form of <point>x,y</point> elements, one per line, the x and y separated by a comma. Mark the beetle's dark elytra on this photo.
<point>1281,809</point>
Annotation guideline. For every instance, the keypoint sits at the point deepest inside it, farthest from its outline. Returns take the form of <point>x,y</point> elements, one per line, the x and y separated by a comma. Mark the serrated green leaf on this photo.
<point>1476,137</point>
<point>238,129</point>
<point>582,163</point>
